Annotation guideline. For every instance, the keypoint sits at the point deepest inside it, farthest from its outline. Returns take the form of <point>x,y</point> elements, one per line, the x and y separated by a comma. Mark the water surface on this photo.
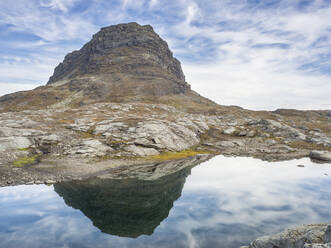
<point>224,202</point>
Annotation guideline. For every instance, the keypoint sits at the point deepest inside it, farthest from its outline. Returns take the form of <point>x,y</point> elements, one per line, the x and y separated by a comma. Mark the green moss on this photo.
<point>28,160</point>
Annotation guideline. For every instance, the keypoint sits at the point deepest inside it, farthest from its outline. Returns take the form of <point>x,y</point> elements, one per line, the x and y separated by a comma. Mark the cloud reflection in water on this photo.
<point>225,202</point>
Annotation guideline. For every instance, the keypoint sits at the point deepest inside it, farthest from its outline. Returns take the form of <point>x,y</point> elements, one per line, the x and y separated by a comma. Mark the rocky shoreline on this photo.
<point>36,145</point>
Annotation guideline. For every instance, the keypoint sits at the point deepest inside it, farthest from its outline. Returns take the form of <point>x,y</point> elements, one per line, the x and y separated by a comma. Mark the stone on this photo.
<point>226,143</point>
<point>52,138</point>
<point>271,142</point>
<point>229,131</point>
<point>91,147</point>
<point>242,133</point>
<point>320,155</point>
<point>141,151</point>
<point>251,133</point>
<point>327,235</point>
<point>296,237</point>
<point>14,143</point>
<point>317,245</point>
<point>50,181</point>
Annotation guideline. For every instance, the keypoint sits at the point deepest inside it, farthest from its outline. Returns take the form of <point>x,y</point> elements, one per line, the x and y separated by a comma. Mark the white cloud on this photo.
<point>7,88</point>
<point>29,17</point>
<point>232,51</point>
<point>62,5</point>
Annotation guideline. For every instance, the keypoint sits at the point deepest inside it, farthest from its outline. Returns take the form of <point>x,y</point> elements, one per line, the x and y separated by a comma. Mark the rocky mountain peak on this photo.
<point>130,55</point>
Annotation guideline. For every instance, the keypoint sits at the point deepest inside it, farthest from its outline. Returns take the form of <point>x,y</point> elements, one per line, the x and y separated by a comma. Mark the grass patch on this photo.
<point>28,160</point>
<point>176,155</point>
<point>66,121</point>
<point>23,149</point>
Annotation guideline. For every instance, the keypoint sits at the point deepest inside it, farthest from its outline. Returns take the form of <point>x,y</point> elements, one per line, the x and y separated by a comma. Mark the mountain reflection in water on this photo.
<point>124,207</point>
<point>225,202</point>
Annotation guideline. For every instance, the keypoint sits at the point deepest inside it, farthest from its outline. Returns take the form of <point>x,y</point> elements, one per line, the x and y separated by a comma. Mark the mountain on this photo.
<point>124,62</point>
<point>122,99</point>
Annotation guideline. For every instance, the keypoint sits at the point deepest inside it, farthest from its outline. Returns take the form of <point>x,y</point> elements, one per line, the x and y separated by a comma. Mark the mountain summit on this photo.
<point>124,59</point>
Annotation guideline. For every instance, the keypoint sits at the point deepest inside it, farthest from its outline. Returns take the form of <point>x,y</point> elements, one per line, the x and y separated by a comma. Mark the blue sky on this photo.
<point>257,54</point>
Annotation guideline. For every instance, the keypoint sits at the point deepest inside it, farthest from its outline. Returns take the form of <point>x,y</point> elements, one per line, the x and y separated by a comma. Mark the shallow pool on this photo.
<point>224,202</point>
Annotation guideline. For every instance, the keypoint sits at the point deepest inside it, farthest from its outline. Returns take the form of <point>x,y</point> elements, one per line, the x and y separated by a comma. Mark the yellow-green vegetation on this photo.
<point>308,146</point>
<point>24,149</point>
<point>27,160</point>
<point>66,121</point>
<point>176,155</point>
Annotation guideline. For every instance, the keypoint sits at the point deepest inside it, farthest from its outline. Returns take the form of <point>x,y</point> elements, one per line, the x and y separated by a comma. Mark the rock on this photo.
<point>168,136</point>
<point>51,139</point>
<point>327,235</point>
<point>295,237</point>
<point>91,147</point>
<point>242,133</point>
<point>50,181</point>
<point>109,127</point>
<point>271,142</point>
<point>251,133</point>
<point>226,143</point>
<point>317,245</point>
<point>320,155</point>
<point>141,151</point>
<point>14,143</point>
<point>230,131</point>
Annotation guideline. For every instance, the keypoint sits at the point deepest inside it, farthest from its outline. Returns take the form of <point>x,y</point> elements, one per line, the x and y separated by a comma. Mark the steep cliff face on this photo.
<point>122,60</point>
<point>125,48</point>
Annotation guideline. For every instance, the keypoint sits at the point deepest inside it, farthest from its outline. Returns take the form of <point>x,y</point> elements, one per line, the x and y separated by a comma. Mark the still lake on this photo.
<point>224,202</point>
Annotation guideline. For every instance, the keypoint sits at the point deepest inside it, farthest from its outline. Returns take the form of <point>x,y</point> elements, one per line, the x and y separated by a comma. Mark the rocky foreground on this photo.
<point>55,144</point>
<point>305,236</point>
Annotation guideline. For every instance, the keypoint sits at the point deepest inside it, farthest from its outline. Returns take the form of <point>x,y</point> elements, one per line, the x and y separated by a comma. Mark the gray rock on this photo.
<point>50,181</point>
<point>230,130</point>
<point>327,235</point>
<point>91,147</point>
<point>226,143</point>
<point>14,143</point>
<point>317,245</point>
<point>294,237</point>
<point>141,151</point>
<point>251,133</point>
<point>320,155</point>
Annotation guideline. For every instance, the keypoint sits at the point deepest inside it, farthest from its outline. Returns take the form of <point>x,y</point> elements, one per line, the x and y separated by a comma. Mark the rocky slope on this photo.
<point>122,99</point>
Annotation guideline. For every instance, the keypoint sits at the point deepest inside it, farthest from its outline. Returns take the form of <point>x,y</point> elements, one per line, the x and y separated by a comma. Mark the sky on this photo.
<point>254,54</point>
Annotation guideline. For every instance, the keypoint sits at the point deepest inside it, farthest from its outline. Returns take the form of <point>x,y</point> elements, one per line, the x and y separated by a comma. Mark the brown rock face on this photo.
<point>124,59</point>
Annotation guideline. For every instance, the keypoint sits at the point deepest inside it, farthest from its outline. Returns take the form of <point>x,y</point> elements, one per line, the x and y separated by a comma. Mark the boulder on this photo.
<point>141,151</point>
<point>320,155</point>
<point>14,143</point>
